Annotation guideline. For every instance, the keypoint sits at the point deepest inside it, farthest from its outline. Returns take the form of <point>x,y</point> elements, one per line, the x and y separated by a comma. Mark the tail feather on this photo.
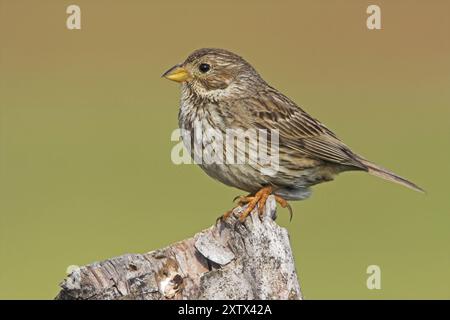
<point>380,172</point>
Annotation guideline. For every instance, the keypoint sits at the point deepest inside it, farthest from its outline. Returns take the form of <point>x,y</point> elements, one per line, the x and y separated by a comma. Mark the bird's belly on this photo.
<point>291,182</point>
<point>290,185</point>
<point>290,179</point>
<point>240,176</point>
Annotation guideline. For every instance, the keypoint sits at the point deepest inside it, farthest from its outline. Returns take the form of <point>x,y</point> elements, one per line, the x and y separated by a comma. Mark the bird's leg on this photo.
<point>262,203</point>
<point>259,199</point>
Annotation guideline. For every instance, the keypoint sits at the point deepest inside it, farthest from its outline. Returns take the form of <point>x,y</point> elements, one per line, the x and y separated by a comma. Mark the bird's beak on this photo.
<point>177,73</point>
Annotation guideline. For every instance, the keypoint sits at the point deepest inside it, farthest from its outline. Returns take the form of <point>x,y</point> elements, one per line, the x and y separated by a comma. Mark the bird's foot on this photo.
<point>260,199</point>
<point>284,204</point>
<point>257,200</point>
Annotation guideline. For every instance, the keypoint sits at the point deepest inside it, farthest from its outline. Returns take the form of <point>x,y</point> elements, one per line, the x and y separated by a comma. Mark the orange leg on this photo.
<point>259,199</point>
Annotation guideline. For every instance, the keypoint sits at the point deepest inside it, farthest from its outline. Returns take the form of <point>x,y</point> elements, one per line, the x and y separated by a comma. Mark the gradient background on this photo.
<point>85,124</point>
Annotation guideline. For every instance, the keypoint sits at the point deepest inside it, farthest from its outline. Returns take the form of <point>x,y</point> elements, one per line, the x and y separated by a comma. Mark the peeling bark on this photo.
<point>229,260</point>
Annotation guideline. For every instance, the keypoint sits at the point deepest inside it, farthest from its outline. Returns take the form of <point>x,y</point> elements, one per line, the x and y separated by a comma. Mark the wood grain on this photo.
<point>229,260</point>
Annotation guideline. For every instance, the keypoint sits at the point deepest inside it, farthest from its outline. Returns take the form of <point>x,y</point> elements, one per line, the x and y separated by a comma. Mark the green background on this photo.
<point>85,124</point>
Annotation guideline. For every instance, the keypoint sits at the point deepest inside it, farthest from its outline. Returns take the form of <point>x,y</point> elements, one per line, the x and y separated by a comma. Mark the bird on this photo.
<point>221,91</point>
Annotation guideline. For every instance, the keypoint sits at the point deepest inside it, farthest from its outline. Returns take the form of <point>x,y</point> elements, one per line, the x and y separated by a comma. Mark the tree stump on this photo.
<point>230,260</point>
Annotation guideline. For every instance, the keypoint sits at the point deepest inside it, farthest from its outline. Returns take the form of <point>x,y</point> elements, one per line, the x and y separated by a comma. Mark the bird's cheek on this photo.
<point>218,83</point>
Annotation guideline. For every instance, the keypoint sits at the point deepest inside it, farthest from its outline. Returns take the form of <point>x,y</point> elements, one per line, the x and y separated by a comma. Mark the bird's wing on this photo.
<point>297,130</point>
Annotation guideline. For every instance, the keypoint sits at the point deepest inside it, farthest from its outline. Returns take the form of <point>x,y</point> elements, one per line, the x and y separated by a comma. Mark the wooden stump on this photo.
<point>229,260</point>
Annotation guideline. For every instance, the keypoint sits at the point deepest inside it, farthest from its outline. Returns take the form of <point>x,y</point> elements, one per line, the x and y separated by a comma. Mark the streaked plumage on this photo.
<point>232,95</point>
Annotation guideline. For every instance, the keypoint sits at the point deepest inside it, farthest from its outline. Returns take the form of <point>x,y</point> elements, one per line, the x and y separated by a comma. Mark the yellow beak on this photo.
<point>177,73</point>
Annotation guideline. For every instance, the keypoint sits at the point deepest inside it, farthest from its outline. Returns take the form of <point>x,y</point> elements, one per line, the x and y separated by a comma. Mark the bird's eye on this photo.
<point>204,67</point>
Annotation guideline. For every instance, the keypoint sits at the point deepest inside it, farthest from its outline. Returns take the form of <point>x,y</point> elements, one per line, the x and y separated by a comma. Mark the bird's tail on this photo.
<point>380,172</point>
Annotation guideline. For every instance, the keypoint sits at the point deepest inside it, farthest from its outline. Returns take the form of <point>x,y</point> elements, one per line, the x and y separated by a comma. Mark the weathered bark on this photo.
<point>230,260</point>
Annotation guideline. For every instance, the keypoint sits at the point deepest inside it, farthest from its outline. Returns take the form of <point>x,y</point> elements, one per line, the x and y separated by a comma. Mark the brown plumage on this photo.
<point>220,90</point>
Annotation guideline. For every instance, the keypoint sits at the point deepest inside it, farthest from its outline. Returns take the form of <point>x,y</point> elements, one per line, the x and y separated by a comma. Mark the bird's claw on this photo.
<point>258,200</point>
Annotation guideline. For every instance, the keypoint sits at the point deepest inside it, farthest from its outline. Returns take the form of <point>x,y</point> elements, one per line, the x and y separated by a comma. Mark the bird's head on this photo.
<point>215,74</point>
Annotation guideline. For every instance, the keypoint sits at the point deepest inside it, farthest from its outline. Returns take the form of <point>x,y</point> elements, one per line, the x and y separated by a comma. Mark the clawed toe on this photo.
<point>284,204</point>
<point>252,201</point>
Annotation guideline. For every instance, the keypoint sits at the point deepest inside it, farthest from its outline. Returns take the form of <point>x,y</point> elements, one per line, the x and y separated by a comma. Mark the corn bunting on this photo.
<point>222,92</point>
